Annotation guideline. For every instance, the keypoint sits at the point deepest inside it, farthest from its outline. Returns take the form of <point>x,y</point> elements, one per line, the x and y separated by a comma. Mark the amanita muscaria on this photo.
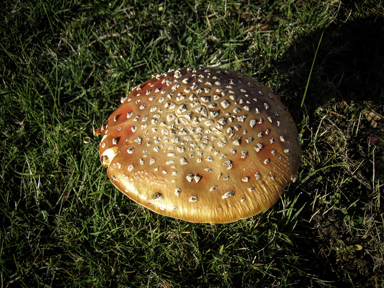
<point>201,144</point>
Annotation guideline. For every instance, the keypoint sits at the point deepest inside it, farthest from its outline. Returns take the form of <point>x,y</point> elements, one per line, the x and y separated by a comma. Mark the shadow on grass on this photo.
<point>346,89</point>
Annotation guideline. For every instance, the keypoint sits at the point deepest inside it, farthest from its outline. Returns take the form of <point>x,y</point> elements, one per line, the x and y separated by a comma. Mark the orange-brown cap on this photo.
<point>201,144</point>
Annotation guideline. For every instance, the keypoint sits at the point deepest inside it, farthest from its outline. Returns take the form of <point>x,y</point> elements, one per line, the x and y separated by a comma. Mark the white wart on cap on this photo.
<point>201,144</point>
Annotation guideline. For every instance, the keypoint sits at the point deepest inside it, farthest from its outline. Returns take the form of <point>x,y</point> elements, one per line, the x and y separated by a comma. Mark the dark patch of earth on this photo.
<point>338,248</point>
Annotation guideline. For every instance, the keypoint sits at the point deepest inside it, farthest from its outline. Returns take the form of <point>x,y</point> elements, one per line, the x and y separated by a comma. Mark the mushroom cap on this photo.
<point>202,145</point>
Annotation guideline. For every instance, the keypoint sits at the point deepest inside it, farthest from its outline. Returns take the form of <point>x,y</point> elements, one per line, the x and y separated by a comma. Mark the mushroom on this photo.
<point>202,145</point>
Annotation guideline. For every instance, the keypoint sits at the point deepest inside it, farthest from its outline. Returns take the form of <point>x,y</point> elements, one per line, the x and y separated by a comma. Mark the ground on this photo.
<point>65,65</point>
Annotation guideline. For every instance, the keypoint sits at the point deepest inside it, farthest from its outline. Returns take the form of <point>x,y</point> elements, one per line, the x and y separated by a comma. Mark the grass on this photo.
<point>64,66</point>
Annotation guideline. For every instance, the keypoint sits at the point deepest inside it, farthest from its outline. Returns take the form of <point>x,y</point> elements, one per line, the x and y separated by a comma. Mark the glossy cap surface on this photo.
<point>201,144</point>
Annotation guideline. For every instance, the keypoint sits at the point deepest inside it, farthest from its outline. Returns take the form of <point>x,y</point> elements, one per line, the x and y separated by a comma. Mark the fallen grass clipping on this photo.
<point>64,66</point>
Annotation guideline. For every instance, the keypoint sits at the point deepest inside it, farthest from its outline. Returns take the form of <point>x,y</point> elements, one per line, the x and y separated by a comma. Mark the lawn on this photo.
<point>64,66</point>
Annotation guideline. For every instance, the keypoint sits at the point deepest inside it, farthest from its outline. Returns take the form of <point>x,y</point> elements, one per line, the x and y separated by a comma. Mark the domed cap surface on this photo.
<point>201,144</point>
